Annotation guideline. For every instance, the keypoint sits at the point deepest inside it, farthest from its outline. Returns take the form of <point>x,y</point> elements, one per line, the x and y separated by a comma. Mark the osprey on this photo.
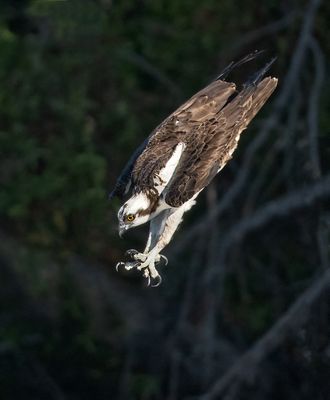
<point>181,157</point>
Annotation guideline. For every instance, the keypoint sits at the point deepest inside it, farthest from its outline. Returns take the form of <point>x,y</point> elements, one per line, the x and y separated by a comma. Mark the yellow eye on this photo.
<point>130,217</point>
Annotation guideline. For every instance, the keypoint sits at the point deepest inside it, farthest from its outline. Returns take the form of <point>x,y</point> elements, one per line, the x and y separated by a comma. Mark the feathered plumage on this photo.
<point>183,154</point>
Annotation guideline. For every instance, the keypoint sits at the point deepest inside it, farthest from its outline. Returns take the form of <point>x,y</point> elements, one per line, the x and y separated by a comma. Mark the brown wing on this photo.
<point>124,180</point>
<point>212,142</point>
<point>178,127</point>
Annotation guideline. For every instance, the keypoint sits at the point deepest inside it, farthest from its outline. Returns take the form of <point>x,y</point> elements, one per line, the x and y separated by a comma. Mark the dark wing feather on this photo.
<point>208,124</point>
<point>124,178</point>
<point>178,127</point>
<point>212,142</point>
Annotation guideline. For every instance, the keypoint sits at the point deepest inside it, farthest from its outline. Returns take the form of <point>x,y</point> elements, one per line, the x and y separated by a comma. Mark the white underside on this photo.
<point>163,226</point>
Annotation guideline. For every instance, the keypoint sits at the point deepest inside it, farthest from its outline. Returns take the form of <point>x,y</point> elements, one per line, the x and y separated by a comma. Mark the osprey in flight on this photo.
<point>181,157</point>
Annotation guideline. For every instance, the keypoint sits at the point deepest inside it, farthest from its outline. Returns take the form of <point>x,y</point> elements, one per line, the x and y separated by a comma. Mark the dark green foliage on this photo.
<point>82,83</point>
<point>81,90</point>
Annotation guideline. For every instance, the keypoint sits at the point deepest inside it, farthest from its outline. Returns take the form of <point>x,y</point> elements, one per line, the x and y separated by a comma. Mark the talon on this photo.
<point>142,266</point>
<point>131,253</point>
<point>147,276</point>
<point>164,258</point>
<point>127,265</point>
<point>131,265</point>
<point>158,280</point>
<point>121,263</point>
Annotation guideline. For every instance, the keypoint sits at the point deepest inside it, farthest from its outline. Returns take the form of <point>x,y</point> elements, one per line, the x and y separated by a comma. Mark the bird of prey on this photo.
<point>181,157</point>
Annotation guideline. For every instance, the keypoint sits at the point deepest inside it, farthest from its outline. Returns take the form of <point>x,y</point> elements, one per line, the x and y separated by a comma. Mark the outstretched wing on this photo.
<point>213,141</point>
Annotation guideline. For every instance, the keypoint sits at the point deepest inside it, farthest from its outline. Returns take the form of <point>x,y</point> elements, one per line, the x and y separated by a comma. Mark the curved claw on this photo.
<point>119,264</point>
<point>164,258</point>
<point>147,276</point>
<point>158,280</point>
<point>131,253</point>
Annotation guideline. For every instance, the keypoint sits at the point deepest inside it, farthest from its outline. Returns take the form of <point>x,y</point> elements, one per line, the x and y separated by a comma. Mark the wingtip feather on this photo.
<point>232,65</point>
<point>257,77</point>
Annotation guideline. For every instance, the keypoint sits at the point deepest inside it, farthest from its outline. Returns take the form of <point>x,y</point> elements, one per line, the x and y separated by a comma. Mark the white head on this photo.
<point>136,211</point>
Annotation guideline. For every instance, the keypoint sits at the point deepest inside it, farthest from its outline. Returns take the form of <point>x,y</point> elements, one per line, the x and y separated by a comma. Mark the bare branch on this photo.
<point>289,84</point>
<point>147,67</point>
<point>313,109</point>
<point>245,367</point>
<point>323,241</point>
<point>276,208</point>
<point>265,30</point>
<point>288,133</point>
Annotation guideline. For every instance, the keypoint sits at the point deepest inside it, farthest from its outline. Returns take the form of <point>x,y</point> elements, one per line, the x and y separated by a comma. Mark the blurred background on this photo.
<point>244,308</point>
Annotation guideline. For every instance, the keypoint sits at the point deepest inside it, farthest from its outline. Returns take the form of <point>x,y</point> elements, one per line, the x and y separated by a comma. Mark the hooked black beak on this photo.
<point>122,229</point>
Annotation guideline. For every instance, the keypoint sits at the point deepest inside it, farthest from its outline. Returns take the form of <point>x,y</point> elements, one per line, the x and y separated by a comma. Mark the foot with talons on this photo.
<point>135,255</point>
<point>153,282</point>
<point>145,263</point>
<point>127,265</point>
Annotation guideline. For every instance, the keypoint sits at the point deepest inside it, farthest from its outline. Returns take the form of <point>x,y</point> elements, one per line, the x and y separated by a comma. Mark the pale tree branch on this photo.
<point>323,238</point>
<point>282,143</point>
<point>264,31</point>
<point>153,71</point>
<point>289,137</point>
<point>313,107</point>
<point>274,209</point>
<point>244,369</point>
<point>270,123</point>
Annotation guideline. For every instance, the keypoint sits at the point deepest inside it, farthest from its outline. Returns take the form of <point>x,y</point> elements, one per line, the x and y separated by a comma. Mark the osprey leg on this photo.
<point>162,237</point>
<point>162,228</point>
<point>157,226</point>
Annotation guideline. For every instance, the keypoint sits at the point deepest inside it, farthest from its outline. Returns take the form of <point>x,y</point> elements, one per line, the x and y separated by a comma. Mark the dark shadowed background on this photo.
<point>244,308</point>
